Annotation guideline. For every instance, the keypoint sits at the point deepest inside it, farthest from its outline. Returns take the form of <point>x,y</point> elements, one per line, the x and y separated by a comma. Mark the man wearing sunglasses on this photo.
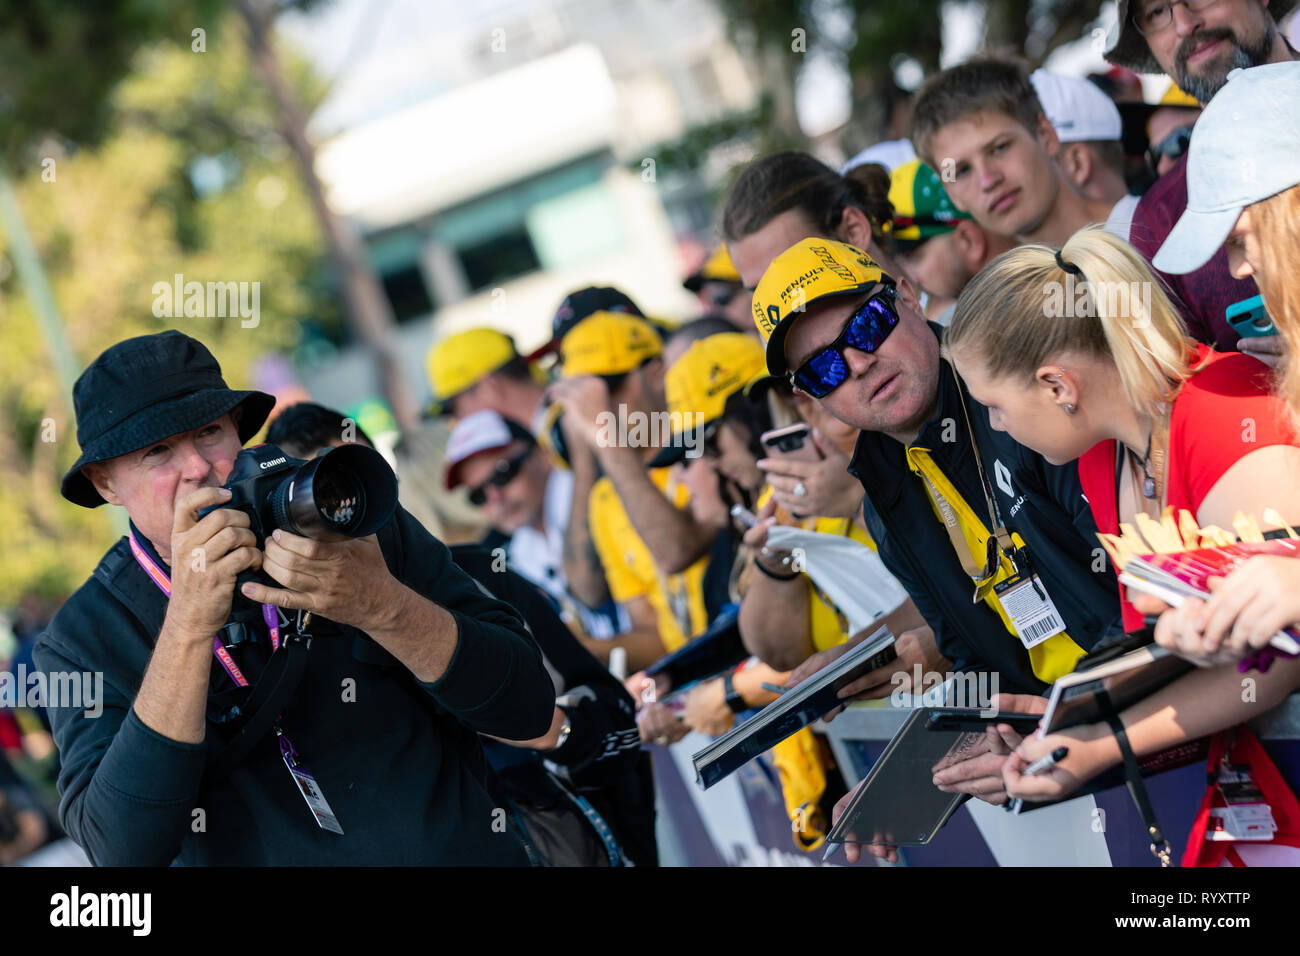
<point>510,478</point>
<point>1198,43</point>
<point>939,480</point>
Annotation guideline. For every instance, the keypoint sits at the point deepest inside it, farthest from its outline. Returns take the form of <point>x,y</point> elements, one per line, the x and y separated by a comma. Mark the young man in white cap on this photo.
<point>526,501</point>
<point>1197,43</point>
<point>1087,123</point>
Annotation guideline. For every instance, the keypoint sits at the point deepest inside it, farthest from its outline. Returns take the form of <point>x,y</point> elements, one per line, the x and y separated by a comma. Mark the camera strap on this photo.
<point>266,702</point>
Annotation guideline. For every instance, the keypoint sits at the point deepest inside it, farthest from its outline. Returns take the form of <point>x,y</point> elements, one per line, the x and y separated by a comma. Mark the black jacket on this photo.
<point>602,758</point>
<point>1043,503</point>
<point>398,760</point>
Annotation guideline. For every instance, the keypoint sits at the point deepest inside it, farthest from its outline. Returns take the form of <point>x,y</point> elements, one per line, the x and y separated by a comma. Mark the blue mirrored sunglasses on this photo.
<point>865,330</point>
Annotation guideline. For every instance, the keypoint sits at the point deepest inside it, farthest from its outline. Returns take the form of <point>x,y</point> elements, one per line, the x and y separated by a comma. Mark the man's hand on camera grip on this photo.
<point>345,581</point>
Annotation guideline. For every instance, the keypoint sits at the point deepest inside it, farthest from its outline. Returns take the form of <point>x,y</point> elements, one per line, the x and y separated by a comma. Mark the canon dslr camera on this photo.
<point>345,492</point>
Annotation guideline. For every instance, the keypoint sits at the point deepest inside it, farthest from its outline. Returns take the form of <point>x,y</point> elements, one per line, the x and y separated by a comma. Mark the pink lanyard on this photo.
<point>160,578</point>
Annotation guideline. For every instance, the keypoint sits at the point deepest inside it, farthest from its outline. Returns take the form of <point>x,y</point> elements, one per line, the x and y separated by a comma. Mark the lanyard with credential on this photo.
<point>999,539</point>
<point>299,770</point>
<point>160,578</point>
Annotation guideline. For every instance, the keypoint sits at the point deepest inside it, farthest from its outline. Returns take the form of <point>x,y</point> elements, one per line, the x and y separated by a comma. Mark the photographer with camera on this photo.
<point>383,686</point>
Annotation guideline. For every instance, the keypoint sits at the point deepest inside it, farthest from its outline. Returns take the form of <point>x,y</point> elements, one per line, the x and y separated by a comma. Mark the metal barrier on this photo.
<point>1103,829</point>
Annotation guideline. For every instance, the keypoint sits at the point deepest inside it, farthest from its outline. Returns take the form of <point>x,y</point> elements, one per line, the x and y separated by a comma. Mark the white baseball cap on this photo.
<point>485,430</point>
<point>1245,148</point>
<point>1078,109</point>
<point>890,153</point>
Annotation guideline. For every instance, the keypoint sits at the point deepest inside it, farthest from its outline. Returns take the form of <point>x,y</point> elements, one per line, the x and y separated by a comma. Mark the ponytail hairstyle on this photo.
<point>1276,221</point>
<point>874,180</point>
<point>1096,296</point>
<point>791,180</point>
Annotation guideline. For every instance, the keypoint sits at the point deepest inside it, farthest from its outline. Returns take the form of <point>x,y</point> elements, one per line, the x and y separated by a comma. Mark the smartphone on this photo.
<point>793,441</point>
<point>1249,318</point>
<point>744,515</point>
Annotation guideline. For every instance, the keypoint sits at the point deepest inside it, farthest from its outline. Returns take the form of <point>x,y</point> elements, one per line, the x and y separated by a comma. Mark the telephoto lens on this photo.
<point>346,492</point>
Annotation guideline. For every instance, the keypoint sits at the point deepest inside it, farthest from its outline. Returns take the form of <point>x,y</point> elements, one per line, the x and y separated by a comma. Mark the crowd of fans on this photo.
<point>964,355</point>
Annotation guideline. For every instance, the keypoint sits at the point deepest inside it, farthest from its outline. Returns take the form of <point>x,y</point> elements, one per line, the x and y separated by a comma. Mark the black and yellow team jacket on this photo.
<point>1041,505</point>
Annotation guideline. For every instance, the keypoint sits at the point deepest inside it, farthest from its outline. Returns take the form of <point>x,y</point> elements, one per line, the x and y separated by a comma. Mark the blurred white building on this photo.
<point>522,174</point>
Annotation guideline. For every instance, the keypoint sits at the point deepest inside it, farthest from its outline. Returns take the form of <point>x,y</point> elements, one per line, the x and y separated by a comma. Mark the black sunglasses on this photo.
<point>1173,146</point>
<point>722,297</point>
<point>507,470</point>
<point>868,327</point>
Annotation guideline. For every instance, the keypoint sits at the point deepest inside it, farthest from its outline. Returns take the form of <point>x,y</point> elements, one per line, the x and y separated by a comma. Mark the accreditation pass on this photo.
<point>1030,609</point>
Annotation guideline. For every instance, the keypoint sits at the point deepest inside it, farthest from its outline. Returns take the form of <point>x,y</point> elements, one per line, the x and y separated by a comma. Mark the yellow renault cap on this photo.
<point>608,343</point>
<point>699,383</point>
<point>460,361</point>
<point>718,267</point>
<point>809,271</point>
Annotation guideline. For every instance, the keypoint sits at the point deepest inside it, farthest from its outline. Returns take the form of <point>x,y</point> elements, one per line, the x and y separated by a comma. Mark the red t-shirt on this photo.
<point>1221,414</point>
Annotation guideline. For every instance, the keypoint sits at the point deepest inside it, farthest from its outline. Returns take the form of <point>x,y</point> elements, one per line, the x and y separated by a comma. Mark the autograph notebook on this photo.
<point>792,711</point>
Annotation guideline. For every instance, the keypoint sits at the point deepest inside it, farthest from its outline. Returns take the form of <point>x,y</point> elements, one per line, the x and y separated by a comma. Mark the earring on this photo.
<point>1070,409</point>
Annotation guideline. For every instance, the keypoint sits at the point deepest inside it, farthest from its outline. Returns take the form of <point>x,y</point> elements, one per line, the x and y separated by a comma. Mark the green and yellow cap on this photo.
<point>809,271</point>
<point>922,209</point>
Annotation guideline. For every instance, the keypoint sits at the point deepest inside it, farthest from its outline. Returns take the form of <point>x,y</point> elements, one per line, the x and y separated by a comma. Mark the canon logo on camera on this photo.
<point>271,464</point>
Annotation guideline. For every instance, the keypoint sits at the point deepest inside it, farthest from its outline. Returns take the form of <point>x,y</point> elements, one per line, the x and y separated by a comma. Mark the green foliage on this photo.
<point>119,217</point>
<point>59,59</point>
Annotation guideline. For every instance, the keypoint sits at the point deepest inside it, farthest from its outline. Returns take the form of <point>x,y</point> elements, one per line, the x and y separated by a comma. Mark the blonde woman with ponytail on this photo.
<point>1243,175</point>
<point>1080,354</point>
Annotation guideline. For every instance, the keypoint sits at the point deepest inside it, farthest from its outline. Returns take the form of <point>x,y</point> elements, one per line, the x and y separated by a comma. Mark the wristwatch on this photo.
<point>734,701</point>
<point>564,732</point>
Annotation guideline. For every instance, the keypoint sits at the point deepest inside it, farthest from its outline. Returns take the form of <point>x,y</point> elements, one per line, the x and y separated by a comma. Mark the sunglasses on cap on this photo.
<point>865,330</point>
<point>507,470</point>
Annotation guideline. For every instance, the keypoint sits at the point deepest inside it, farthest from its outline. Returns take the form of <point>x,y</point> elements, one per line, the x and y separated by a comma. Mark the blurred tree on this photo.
<point>61,59</point>
<point>872,37</point>
<point>193,179</point>
<point>369,312</point>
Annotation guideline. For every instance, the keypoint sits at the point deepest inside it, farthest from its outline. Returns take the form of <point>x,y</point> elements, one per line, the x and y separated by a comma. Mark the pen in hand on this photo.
<point>1041,765</point>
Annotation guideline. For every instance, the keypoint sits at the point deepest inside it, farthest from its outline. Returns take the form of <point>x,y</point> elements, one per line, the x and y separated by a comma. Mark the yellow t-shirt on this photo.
<point>826,626</point>
<point>631,572</point>
<point>1050,659</point>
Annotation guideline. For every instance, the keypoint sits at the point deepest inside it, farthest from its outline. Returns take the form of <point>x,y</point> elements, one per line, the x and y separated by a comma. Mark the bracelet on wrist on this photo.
<point>773,574</point>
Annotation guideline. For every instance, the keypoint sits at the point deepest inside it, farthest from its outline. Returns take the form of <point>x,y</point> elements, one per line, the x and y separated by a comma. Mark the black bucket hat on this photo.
<point>143,390</point>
